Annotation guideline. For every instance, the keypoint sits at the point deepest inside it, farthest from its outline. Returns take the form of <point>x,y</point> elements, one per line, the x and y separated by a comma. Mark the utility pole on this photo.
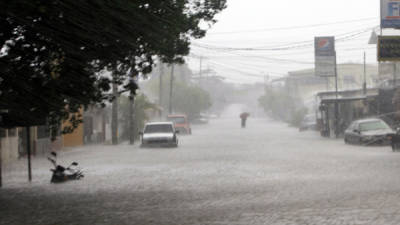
<point>160,91</point>
<point>131,119</point>
<point>327,83</point>
<point>28,145</point>
<point>266,80</point>
<point>1,178</point>
<point>394,74</point>
<point>336,101</point>
<point>114,117</point>
<point>365,75</point>
<point>171,88</point>
<point>201,70</point>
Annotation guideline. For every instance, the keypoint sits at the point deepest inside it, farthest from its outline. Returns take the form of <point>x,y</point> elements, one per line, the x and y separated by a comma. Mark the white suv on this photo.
<point>159,134</point>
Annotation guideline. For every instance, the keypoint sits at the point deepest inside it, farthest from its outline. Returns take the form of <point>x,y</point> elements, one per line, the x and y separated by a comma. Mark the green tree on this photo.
<point>52,51</point>
<point>142,105</point>
<point>281,106</point>
<point>190,100</point>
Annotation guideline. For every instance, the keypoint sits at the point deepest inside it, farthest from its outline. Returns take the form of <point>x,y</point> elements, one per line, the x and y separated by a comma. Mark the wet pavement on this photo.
<point>267,173</point>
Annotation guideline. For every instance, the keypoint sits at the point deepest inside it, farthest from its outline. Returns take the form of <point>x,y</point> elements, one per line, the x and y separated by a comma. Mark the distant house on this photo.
<point>91,131</point>
<point>13,142</point>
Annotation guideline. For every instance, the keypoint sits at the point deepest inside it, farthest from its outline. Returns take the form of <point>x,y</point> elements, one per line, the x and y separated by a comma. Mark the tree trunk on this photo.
<point>1,177</point>
<point>160,91</point>
<point>132,129</point>
<point>171,84</point>
<point>114,117</point>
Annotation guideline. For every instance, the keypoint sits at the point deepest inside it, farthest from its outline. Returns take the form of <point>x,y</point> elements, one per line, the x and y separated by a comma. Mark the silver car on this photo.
<point>369,132</point>
<point>159,134</point>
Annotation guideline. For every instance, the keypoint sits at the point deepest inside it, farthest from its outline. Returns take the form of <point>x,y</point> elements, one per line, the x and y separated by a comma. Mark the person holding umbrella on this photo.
<point>243,117</point>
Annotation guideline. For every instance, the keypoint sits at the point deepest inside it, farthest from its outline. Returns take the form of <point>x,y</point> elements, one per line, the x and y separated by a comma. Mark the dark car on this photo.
<point>369,132</point>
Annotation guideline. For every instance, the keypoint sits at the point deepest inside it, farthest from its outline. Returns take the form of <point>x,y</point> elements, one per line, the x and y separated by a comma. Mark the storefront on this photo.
<point>337,114</point>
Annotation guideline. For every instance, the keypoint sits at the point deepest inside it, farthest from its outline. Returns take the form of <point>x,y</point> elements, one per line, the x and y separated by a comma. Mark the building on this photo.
<point>306,84</point>
<point>13,142</point>
<point>9,144</point>
<point>351,105</point>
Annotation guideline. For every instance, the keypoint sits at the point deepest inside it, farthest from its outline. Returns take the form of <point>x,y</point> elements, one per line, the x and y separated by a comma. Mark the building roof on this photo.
<point>333,100</point>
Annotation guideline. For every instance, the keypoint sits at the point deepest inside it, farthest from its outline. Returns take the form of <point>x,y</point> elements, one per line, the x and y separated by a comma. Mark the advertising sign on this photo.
<point>389,48</point>
<point>390,13</point>
<point>325,57</point>
<point>324,46</point>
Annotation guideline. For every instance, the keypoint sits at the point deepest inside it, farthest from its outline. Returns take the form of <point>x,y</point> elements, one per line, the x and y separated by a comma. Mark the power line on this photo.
<point>290,46</point>
<point>245,72</point>
<point>293,27</point>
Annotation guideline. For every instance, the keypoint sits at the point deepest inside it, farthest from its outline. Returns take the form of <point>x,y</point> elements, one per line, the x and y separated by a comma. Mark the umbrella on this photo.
<point>244,115</point>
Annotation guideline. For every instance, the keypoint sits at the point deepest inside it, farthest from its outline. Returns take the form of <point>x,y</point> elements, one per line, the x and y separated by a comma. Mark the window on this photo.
<point>373,125</point>
<point>158,128</point>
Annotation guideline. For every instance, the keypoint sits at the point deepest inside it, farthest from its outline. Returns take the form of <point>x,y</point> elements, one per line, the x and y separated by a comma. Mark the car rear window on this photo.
<point>158,128</point>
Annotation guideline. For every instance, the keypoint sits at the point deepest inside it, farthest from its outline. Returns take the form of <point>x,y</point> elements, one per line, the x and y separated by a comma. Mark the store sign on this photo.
<point>389,48</point>
<point>325,57</point>
<point>390,13</point>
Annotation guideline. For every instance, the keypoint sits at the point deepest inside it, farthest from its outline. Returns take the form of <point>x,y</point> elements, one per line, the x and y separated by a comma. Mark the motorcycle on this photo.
<point>62,174</point>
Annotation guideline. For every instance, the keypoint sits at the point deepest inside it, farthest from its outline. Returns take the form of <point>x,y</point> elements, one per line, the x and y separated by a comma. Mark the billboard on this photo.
<point>325,56</point>
<point>390,13</point>
<point>389,48</point>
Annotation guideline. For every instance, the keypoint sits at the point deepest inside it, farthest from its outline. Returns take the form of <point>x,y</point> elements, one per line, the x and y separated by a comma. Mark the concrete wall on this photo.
<point>44,146</point>
<point>9,149</point>
<point>75,139</point>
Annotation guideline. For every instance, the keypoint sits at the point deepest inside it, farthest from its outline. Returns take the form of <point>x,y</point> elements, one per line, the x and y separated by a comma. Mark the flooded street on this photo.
<point>267,173</point>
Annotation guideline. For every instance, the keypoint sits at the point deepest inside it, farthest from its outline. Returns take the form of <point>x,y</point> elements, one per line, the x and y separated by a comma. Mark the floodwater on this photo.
<point>268,173</point>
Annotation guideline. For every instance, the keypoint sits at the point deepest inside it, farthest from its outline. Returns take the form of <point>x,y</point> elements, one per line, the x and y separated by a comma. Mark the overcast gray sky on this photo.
<point>267,24</point>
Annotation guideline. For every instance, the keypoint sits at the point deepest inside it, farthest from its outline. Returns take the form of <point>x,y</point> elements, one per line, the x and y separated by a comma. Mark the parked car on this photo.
<point>369,132</point>
<point>181,123</point>
<point>159,134</point>
<point>201,119</point>
<point>309,123</point>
